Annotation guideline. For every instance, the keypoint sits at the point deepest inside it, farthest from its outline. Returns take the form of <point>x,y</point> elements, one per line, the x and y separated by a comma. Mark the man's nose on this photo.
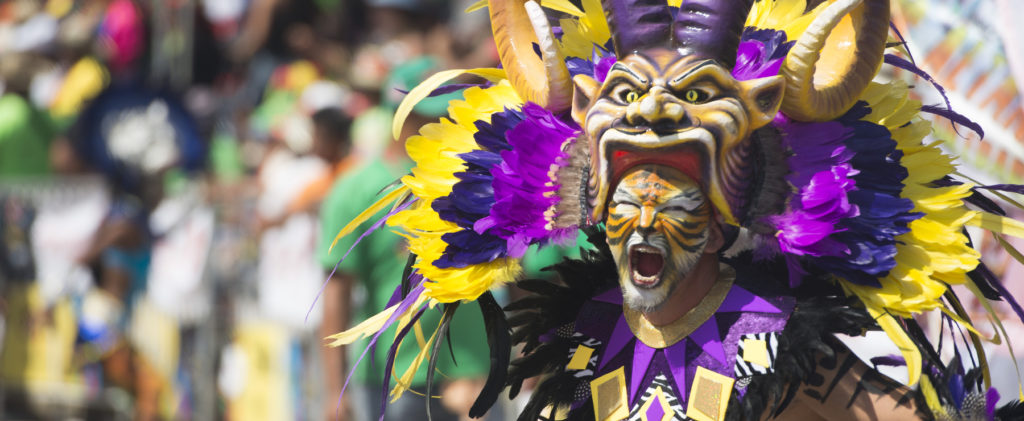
<point>646,223</point>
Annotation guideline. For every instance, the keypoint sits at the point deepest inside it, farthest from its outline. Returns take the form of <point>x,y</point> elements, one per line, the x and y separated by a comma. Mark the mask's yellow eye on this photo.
<point>695,96</point>
<point>632,96</point>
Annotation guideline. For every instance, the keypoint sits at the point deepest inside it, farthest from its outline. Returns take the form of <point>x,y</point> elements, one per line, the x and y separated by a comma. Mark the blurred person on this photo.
<point>25,130</point>
<point>133,135</point>
<point>361,283</point>
<point>275,322</point>
<point>120,256</point>
<point>332,144</point>
<point>274,34</point>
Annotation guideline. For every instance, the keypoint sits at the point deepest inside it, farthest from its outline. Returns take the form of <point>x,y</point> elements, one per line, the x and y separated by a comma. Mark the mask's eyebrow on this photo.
<point>693,69</point>
<point>623,68</point>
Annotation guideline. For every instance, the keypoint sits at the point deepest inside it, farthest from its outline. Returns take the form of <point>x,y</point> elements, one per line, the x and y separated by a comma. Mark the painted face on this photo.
<point>657,230</point>
<point>659,106</point>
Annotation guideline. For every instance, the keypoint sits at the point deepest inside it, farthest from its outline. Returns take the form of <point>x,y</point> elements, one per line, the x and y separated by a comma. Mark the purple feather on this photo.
<point>1012,188</point>
<point>1009,299</point>
<point>602,67</point>
<point>889,361</point>
<point>991,399</point>
<point>405,304</point>
<point>376,225</point>
<point>389,366</point>
<point>955,117</point>
<point>523,186</point>
<point>948,111</point>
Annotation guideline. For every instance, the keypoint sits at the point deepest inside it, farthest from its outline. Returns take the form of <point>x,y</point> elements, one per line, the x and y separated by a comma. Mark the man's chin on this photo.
<point>642,299</point>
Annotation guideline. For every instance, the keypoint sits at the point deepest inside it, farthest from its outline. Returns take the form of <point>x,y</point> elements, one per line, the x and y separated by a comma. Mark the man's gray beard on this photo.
<point>633,296</point>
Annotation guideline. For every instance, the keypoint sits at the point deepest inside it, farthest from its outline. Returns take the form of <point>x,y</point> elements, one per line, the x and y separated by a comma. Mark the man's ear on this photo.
<point>586,89</point>
<point>763,97</point>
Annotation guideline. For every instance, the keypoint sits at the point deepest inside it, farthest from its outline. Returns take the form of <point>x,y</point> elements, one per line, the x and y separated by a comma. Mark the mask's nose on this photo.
<point>658,110</point>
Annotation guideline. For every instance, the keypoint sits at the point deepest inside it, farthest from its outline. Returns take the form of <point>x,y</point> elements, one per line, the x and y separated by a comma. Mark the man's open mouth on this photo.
<point>645,265</point>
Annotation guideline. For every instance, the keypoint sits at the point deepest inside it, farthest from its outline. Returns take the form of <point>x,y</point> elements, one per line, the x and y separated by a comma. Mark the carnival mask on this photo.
<point>659,106</point>
<point>657,227</point>
<point>671,98</point>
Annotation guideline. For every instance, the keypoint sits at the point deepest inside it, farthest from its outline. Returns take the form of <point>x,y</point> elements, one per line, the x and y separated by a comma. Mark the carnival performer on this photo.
<point>752,190</point>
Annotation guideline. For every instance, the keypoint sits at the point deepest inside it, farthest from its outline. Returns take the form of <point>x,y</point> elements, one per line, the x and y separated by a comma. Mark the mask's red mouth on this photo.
<point>645,264</point>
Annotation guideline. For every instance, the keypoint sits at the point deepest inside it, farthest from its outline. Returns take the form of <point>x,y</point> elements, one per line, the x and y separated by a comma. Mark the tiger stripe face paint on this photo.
<point>657,227</point>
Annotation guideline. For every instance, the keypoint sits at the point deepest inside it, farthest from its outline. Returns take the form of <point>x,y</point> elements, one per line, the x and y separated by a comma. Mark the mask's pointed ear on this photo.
<point>763,97</point>
<point>586,90</point>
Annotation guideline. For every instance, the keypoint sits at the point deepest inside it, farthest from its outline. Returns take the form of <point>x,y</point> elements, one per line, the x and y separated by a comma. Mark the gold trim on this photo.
<point>581,358</point>
<point>665,336</point>
<point>609,395</point>
<point>709,395</point>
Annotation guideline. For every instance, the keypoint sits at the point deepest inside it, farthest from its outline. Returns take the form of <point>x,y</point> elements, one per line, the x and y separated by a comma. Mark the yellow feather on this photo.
<point>420,338</point>
<point>596,20</point>
<point>581,35</point>
<point>931,398</point>
<point>406,379</point>
<point>998,224</point>
<point>960,320</point>
<point>911,354</point>
<point>563,6</point>
<point>1010,249</point>
<point>476,6</point>
<point>994,319</point>
<point>424,89</point>
<point>366,214</point>
<point>784,15</point>
<point>370,326</point>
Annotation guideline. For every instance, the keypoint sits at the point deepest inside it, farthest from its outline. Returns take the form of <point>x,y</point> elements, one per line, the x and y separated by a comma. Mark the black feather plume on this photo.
<point>498,340</point>
<point>442,332</point>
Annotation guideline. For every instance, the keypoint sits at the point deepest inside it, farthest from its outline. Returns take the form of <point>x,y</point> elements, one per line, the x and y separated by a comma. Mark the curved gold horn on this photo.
<point>823,88</point>
<point>544,80</point>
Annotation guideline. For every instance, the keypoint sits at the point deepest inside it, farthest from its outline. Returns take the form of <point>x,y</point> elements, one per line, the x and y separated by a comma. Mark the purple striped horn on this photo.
<point>638,24</point>
<point>711,28</point>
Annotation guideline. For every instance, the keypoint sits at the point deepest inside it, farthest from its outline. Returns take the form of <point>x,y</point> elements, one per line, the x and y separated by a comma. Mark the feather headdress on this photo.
<point>846,183</point>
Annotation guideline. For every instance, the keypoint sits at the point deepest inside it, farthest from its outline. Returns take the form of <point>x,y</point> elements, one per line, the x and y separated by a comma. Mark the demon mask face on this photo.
<point>658,227</point>
<point>659,106</point>
<point>671,98</point>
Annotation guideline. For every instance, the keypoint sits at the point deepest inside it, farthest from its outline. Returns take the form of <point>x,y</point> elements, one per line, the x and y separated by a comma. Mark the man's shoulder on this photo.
<point>359,184</point>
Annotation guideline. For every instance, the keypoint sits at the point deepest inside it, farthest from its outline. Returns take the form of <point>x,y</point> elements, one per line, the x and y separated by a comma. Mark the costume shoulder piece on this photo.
<point>674,125</point>
<point>766,337</point>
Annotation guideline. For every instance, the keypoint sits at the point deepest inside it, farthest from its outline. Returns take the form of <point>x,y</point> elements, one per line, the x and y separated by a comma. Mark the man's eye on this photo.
<point>696,96</point>
<point>678,210</point>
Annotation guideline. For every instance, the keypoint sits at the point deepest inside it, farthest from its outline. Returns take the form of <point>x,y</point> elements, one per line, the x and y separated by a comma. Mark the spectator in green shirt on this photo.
<point>25,131</point>
<point>361,287</point>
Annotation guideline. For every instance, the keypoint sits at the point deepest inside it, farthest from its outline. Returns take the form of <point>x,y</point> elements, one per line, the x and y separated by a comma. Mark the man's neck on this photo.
<point>689,293</point>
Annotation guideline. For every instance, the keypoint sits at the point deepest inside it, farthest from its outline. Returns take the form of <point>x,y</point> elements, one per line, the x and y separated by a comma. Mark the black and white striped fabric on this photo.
<point>589,342</point>
<point>746,368</point>
<point>668,391</point>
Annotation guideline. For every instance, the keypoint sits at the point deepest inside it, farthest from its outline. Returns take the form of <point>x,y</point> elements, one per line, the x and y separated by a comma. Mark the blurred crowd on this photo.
<point>172,176</point>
